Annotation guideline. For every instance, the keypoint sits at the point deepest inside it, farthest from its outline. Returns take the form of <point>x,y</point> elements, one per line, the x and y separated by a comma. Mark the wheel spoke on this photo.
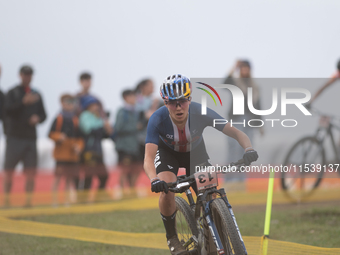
<point>184,222</point>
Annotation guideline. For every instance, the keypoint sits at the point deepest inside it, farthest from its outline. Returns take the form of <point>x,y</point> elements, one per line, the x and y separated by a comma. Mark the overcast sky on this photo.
<point>121,42</point>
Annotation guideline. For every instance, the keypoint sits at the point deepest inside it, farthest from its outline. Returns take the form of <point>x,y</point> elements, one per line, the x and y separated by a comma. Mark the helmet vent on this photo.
<point>168,89</point>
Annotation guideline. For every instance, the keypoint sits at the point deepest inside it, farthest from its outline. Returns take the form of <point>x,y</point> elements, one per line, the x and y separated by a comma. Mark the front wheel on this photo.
<point>226,228</point>
<point>185,224</point>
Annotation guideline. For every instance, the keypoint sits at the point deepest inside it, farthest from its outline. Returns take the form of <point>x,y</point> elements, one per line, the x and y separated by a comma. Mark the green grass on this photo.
<point>314,226</point>
<point>12,244</point>
<point>144,221</point>
<point>317,225</point>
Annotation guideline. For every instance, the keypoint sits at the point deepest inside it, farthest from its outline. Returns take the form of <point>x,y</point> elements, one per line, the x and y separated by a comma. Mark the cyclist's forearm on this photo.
<point>150,154</point>
<point>238,135</point>
<point>150,169</point>
<point>243,140</point>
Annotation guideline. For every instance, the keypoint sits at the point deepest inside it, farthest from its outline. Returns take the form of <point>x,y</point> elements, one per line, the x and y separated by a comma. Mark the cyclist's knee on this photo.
<point>167,197</point>
<point>167,176</point>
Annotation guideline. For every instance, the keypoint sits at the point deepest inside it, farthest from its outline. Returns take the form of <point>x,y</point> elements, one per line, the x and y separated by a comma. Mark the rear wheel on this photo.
<point>226,228</point>
<point>303,160</point>
<point>185,224</point>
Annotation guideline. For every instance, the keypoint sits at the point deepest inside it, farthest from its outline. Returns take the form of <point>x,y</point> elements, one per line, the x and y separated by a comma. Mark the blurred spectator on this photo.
<point>146,106</point>
<point>2,102</point>
<point>68,146</point>
<point>24,110</point>
<point>145,101</point>
<point>85,80</point>
<point>334,77</point>
<point>127,145</point>
<point>94,129</point>
<point>244,81</point>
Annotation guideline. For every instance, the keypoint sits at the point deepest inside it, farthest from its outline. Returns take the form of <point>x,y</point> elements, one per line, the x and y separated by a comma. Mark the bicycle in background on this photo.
<point>207,226</point>
<point>308,157</point>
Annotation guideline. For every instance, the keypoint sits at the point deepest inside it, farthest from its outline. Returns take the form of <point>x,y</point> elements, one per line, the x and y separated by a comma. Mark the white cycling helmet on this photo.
<point>176,87</point>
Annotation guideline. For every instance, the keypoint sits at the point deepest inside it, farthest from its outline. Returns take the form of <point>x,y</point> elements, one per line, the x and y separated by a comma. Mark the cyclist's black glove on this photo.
<point>159,186</point>
<point>249,157</point>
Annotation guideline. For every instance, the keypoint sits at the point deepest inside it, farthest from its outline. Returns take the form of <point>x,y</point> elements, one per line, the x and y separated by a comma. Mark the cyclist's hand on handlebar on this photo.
<point>159,186</point>
<point>249,157</point>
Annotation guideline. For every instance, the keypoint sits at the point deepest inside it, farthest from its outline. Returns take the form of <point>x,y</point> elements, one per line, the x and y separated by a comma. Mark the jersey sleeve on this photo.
<point>152,133</point>
<point>209,119</point>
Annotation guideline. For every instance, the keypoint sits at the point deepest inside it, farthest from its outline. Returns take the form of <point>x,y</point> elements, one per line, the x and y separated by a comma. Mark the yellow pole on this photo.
<point>268,212</point>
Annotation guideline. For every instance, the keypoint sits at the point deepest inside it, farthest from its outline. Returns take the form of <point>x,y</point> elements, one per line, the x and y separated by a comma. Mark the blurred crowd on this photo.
<point>77,131</point>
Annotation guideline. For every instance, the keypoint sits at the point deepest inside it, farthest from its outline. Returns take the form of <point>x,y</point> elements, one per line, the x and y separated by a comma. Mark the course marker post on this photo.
<point>268,212</point>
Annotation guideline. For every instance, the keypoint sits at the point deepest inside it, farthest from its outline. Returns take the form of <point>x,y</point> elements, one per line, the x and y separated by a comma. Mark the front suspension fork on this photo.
<point>224,197</point>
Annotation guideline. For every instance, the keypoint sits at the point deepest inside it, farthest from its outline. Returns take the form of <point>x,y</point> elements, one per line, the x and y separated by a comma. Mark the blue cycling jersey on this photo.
<point>161,126</point>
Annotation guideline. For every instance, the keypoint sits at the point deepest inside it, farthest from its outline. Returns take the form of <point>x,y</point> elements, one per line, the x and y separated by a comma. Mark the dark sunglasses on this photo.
<point>175,103</point>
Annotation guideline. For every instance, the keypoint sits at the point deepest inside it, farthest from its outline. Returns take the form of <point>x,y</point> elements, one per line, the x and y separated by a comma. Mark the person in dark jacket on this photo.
<point>243,81</point>
<point>127,145</point>
<point>24,110</point>
<point>2,102</point>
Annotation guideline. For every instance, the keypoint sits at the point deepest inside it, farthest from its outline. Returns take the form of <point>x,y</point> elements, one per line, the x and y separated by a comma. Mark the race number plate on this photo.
<point>205,180</point>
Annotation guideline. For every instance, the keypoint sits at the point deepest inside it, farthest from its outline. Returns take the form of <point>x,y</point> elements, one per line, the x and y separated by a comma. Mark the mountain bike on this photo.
<point>207,226</point>
<point>308,158</point>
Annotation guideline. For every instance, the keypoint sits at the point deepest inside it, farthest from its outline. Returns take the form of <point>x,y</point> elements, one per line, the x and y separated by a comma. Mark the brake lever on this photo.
<point>179,187</point>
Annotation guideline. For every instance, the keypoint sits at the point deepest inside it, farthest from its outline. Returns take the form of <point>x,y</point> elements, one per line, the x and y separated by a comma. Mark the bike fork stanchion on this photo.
<point>264,241</point>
